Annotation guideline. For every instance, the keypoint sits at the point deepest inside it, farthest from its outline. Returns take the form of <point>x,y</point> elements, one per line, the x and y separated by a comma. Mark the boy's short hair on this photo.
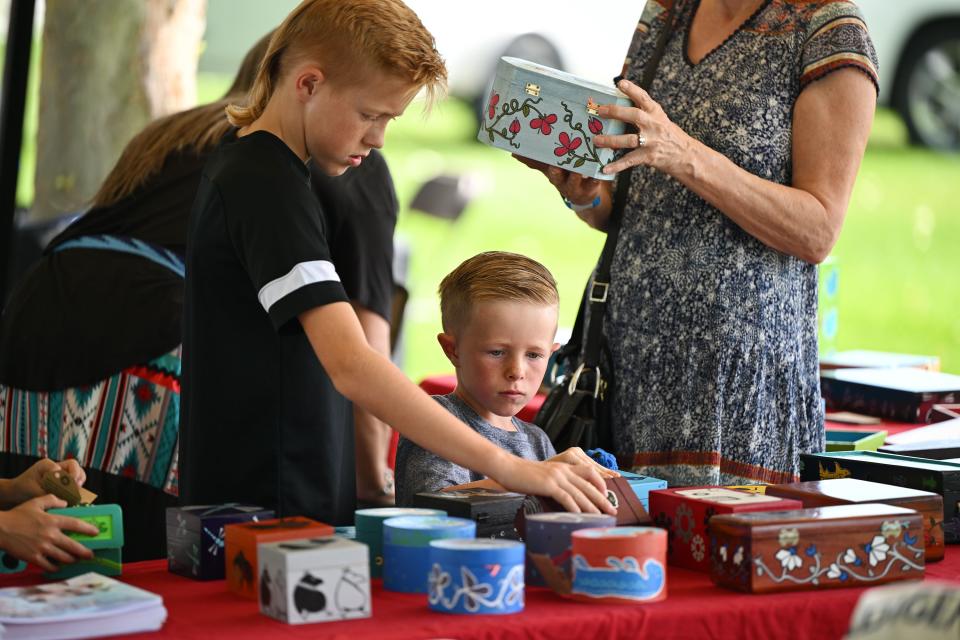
<point>493,276</point>
<point>348,37</point>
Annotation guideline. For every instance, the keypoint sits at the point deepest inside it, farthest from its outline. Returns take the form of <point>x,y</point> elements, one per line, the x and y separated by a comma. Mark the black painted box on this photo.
<point>195,537</point>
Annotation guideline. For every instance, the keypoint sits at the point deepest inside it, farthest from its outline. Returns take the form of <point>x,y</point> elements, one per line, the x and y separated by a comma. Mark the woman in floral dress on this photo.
<point>749,142</point>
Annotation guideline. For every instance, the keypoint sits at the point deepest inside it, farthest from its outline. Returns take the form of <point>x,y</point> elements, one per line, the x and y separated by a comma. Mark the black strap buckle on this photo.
<point>598,291</point>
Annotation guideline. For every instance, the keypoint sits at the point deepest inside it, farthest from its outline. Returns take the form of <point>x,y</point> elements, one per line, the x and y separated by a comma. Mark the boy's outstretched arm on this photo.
<point>374,383</point>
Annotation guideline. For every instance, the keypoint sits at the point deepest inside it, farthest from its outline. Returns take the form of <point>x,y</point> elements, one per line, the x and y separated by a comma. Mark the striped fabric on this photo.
<point>836,38</point>
<point>126,425</point>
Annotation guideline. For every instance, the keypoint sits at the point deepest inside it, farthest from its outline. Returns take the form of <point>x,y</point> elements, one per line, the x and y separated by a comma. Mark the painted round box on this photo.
<point>476,576</point>
<point>619,565</point>
<point>551,116</point>
<point>369,530</point>
<point>548,544</point>
<point>406,548</point>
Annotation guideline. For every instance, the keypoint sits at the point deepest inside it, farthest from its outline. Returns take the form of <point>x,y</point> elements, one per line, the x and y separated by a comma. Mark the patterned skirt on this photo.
<point>126,425</point>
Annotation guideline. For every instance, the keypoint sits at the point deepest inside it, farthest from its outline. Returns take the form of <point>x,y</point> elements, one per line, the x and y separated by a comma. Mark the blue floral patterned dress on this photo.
<point>713,333</point>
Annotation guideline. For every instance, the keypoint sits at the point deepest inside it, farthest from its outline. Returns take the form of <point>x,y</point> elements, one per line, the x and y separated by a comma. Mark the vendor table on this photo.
<point>694,608</point>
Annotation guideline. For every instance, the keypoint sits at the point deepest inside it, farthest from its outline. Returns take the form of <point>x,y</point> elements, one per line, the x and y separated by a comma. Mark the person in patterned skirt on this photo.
<point>748,143</point>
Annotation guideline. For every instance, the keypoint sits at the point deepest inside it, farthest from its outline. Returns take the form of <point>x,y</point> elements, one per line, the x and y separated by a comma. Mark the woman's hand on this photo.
<point>28,484</point>
<point>578,488</point>
<point>658,143</point>
<point>30,533</point>
<point>578,189</point>
<point>576,455</point>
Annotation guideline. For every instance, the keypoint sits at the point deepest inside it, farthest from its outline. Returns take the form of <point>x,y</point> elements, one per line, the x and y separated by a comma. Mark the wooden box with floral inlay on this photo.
<point>550,116</point>
<point>855,545</point>
<point>823,493</point>
<point>938,476</point>
<point>684,512</point>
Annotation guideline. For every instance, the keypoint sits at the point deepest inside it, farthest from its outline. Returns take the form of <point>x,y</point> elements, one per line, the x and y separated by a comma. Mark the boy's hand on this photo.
<point>577,456</point>
<point>30,533</point>
<point>578,488</point>
<point>28,484</point>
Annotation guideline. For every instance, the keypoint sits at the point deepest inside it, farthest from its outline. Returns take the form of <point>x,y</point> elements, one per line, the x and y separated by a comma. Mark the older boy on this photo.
<point>499,314</point>
<point>270,342</point>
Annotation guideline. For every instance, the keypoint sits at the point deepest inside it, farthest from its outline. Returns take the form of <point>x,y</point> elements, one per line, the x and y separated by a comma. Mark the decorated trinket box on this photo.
<point>314,580</point>
<point>685,512</point>
<point>855,440</point>
<point>944,412</point>
<point>619,492</point>
<point>242,541</point>
<point>931,449</point>
<point>905,394</point>
<point>938,476</point>
<point>619,565</point>
<point>642,486</point>
<point>369,530</point>
<point>822,493</point>
<point>855,545</point>
<point>549,544</point>
<point>493,511</point>
<point>406,548</point>
<point>107,545</point>
<point>865,359</point>
<point>195,537</point>
<point>550,116</point>
<point>478,576</point>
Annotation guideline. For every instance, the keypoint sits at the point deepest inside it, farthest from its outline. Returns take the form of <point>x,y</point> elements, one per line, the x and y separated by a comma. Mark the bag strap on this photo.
<point>596,294</point>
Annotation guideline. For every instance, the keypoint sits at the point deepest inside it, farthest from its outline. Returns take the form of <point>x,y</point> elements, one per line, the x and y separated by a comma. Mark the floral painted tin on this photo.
<point>550,116</point>
<point>855,545</point>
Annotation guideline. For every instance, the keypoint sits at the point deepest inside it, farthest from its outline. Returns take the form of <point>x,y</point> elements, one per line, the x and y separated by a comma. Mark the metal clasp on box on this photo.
<point>533,89</point>
<point>598,291</point>
<point>592,107</point>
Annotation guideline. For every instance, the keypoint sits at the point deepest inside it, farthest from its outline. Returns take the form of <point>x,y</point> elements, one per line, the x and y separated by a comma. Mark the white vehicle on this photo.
<point>917,42</point>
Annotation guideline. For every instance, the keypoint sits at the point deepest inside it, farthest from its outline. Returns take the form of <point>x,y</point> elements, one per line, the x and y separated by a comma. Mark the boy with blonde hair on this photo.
<point>499,315</point>
<point>271,346</point>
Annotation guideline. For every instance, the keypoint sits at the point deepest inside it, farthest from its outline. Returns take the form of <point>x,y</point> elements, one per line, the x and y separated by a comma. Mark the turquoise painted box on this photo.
<point>855,440</point>
<point>106,545</point>
<point>550,116</point>
<point>643,485</point>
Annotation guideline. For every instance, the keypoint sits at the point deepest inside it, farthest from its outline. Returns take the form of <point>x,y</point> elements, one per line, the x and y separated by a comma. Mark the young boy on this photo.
<point>269,340</point>
<point>499,315</point>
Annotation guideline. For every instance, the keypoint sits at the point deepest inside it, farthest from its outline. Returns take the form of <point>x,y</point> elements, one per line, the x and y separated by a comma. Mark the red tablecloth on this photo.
<point>694,608</point>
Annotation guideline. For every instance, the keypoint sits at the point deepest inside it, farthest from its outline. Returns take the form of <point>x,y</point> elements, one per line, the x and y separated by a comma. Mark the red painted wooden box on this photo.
<point>854,545</point>
<point>684,512</point>
<point>822,493</point>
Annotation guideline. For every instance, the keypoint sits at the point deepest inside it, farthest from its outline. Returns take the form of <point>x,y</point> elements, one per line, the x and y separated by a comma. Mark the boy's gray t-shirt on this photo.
<point>419,470</point>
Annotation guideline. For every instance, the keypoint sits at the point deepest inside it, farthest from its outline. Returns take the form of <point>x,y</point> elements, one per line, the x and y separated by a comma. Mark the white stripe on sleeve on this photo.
<point>301,275</point>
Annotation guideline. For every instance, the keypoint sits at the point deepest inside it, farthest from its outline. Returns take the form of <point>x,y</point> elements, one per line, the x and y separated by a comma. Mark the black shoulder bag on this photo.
<point>577,410</point>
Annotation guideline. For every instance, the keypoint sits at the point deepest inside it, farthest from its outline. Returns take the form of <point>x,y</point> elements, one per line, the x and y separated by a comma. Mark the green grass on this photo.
<point>897,254</point>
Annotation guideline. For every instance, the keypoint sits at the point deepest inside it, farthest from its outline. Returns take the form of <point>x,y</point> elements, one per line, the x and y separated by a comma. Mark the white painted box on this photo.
<point>314,580</point>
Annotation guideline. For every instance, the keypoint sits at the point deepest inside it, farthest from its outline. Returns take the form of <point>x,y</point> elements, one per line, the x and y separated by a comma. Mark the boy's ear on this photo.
<point>556,345</point>
<point>449,345</point>
<point>309,79</point>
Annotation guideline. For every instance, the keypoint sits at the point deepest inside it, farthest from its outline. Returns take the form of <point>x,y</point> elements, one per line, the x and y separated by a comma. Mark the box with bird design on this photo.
<point>550,116</point>
<point>684,512</point>
<point>314,580</point>
<point>243,539</point>
<point>938,476</point>
<point>852,545</point>
<point>195,537</point>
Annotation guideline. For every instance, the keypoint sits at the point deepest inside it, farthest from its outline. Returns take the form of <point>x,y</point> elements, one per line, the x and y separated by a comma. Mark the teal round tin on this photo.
<point>406,551</point>
<point>369,530</point>
<point>476,576</point>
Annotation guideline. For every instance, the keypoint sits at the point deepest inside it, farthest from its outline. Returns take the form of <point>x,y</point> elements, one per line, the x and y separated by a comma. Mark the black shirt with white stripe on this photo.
<point>261,421</point>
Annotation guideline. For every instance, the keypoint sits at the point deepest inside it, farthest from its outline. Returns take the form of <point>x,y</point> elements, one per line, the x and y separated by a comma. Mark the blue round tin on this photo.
<point>406,551</point>
<point>548,542</point>
<point>369,530</point>
<point>476,576</point>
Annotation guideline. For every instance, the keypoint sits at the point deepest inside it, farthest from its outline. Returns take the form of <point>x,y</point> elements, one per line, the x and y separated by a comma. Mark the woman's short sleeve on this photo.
<point>837,37</point>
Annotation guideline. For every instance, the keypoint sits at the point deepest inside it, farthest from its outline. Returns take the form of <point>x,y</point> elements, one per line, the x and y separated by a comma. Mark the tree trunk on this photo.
<point>108,68</point>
